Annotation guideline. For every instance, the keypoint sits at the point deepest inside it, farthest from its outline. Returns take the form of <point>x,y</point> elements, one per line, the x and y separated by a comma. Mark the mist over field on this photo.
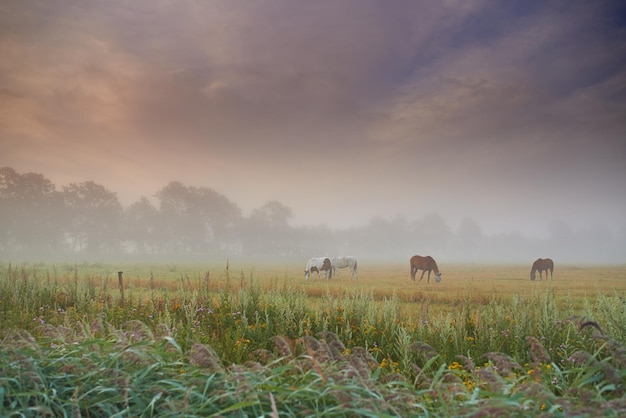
<point>480,131</point>
<point>86,222</point>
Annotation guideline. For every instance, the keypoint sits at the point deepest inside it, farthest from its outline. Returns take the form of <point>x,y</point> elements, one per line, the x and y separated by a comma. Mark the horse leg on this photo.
<point>428,276</point>
<point>423,271</point>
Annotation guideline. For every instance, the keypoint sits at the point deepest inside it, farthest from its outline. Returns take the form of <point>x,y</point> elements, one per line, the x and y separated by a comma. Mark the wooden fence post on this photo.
<point>121,281</point>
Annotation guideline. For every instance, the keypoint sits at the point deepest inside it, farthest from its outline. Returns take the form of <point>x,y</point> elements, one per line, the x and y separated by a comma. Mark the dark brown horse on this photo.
<point>541,265</point>
<point>426,264</point>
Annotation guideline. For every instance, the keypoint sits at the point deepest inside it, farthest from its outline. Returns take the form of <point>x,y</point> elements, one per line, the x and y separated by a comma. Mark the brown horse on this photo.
<point>541,265</point>
<point>426,264</point>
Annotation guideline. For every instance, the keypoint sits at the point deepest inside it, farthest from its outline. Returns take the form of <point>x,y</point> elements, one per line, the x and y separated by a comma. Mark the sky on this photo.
<point>511,114</point>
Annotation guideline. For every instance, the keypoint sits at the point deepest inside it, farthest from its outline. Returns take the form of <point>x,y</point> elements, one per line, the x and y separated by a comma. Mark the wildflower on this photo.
<point>455,366</point>
<point>242,342</point>
<point>375,349</point>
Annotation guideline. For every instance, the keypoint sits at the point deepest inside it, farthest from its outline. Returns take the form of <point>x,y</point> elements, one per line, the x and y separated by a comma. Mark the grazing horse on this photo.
<point>317,264</point>
<point>345,261</point>
<point>541,265</point>
<point>426,264</point>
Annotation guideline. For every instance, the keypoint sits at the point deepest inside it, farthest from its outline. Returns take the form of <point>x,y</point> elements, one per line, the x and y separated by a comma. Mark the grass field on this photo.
<point>571,285</point>
<point>249,340</point>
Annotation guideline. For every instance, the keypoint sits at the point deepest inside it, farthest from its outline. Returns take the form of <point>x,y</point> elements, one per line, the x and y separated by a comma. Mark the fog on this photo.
<point>85,222</point>
<point>482,130</point>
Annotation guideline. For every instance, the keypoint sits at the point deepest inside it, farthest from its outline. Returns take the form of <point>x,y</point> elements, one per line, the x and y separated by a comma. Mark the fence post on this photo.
<point>121,281</point>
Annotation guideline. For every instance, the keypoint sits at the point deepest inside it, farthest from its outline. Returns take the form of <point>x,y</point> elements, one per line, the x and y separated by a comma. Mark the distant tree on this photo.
<point>196,219</point>
<point>220,216</point>
<point>31,214</point>
<point>267,231</point>
<point>96,217</point>
<point>274,214</point>
<point>141,220</point>
<point>176,228</point>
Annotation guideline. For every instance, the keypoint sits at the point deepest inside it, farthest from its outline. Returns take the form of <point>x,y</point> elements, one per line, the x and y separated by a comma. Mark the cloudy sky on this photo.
<point>511,113</point>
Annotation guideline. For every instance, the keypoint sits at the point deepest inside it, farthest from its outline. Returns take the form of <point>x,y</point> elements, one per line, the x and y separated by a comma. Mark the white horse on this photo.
<point>342,262</point>
<point>317,264</point>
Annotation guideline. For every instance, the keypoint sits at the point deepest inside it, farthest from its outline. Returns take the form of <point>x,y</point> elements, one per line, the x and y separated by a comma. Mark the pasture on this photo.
<point>234,339</point>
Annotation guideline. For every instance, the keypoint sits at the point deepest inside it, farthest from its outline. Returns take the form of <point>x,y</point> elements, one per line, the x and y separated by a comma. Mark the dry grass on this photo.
<point>476,283</point>
<point>460,282</point>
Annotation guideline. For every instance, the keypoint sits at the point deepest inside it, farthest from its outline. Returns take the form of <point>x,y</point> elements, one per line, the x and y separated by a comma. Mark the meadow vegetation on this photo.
<point>229,340</point>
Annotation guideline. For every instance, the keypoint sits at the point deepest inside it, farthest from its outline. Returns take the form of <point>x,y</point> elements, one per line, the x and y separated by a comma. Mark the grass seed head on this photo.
<point>203,355</point>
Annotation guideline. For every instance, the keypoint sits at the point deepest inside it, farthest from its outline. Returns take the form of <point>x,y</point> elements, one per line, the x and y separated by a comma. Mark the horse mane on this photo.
<point>435,267</point>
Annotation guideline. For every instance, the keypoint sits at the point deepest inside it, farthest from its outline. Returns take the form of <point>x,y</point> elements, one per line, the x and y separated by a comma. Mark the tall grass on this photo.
<point>240,346</point>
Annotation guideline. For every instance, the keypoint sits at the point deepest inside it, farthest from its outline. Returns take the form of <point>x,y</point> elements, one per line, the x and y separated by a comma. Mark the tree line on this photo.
<point>86,221</point>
